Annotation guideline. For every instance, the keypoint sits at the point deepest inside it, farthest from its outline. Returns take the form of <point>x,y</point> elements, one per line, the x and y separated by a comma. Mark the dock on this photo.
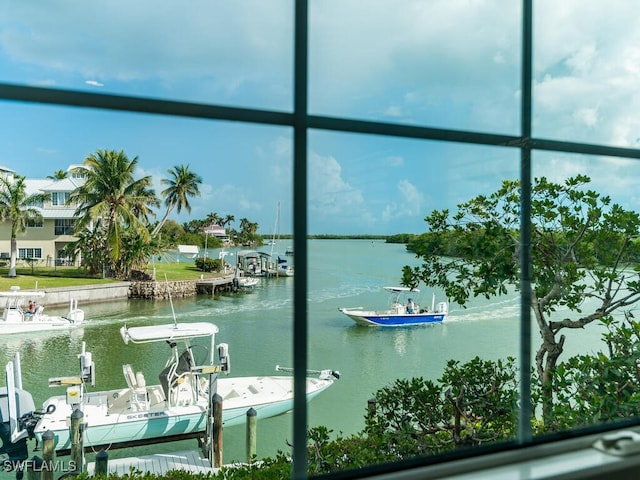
<point>159,463</point>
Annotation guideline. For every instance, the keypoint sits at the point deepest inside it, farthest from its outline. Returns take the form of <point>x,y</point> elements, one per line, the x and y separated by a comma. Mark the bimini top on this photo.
<point>401,289</point>
<point>170,331</point>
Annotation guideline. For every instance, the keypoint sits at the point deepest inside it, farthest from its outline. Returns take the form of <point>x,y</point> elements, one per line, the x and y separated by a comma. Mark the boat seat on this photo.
<point>138,387</point>
<point>39,310</point>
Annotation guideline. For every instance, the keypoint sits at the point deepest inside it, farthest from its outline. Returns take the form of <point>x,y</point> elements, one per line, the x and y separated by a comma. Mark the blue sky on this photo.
<point>440,63</point>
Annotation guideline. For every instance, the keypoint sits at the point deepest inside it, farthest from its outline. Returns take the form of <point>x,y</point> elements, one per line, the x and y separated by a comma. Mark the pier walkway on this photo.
<point>159,463</point>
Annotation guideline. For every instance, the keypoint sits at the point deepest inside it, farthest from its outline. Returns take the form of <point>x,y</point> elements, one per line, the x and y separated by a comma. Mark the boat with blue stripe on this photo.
<point>399,313</point>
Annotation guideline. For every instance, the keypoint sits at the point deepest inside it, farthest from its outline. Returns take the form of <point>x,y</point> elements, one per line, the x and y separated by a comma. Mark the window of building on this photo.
<point>29,253</point>
<point>64,226</point>
<point>59,198</point>
<point>35,223</point>
<point>479,142</point>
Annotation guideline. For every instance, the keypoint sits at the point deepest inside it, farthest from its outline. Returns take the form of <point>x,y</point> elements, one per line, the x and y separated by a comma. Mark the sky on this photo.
<point>439,63</point>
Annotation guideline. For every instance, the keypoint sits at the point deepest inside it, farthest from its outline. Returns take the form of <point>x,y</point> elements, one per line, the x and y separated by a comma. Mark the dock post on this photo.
<point>34,469</point>
<point>102,463</point>
<point>216,402</point>
<point>252,422</point>
<point>48,453</point>
<point>77,448</point>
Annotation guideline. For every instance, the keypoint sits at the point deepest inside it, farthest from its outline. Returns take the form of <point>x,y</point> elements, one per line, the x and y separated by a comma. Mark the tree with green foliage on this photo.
<point>181,184</point>
<point>248,231</point>
<point>59,175</point>
<point>18,207</point>
<point>112,194</point>
<point>90,246</point>
<point>584,259</point>
<point>599,387</point>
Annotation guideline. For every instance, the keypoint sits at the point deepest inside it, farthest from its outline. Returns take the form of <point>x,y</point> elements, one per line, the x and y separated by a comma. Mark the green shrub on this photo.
<point>209,264</point>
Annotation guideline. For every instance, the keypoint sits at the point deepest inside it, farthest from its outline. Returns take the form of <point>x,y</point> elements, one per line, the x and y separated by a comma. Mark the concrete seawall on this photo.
<point>148,290</point>
<point>87,293</point>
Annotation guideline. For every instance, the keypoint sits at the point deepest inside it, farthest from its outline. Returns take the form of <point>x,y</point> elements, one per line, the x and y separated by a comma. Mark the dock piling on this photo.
<point>48,454</point>
<point>34,469</point>
<point>252,422</point>
<point>217,430</point>
<point>102,463</point>
<point>77,450</point>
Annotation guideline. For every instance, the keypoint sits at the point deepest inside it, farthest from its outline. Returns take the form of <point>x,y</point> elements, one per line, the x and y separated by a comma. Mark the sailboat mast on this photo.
<point>276,229</point>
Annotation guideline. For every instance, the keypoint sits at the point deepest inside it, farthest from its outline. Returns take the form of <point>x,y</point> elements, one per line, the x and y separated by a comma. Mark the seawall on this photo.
<point>147,290</point>
<point>87,293</point>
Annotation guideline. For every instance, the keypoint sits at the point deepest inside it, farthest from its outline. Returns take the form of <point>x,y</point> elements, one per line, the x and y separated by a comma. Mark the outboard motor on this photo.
<point>225,360</point>
<point>16,450</point>
<point>442,307</point>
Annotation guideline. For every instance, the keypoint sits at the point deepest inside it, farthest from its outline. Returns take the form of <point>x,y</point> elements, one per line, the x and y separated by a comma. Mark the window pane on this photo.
<point>447,64</point>
<point>593,259</point>
<point>368,185</point>
<point>586,63</point>
<point>237,53</point>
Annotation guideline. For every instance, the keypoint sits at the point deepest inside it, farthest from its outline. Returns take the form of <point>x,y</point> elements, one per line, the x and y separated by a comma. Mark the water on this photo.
<point>258,328</point>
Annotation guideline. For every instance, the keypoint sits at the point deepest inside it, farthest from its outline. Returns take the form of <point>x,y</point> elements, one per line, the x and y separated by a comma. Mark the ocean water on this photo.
<point>258,328</point>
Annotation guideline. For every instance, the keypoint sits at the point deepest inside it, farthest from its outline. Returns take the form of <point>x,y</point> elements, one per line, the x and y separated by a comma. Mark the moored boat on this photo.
<point>398,313</point>
<point>178,406</point>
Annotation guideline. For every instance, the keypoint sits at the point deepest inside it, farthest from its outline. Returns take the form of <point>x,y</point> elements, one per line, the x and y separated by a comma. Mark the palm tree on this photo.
<point>181,184</point>
<point>212,218</point>
<point>228,220</point>
<point>18,207</point>
<point>59,175</point>
<point>112,194</point>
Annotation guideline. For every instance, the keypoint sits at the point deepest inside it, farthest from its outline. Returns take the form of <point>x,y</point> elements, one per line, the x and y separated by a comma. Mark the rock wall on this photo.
<point>161,290</point>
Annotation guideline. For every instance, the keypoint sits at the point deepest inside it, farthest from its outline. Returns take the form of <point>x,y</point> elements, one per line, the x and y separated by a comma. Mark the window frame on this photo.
<point>301,122</point>
<point>55,198</point>
<point>66,229</point>
<point>23,251</point>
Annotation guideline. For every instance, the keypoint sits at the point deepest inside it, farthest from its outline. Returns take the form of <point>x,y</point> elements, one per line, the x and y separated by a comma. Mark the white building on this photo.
<point>44,239</point>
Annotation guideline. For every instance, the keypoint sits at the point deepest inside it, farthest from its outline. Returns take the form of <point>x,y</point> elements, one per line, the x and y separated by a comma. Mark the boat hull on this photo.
<point>37,326</point>
<point>392,319</point>
<point>268,396</point>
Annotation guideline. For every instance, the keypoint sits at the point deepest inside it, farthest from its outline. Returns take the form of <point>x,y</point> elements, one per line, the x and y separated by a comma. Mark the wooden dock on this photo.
<point>216,285</point>
<point>159,463</point>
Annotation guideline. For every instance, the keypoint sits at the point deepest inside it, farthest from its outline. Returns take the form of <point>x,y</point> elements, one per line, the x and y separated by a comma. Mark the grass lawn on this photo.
<point>51,277</point>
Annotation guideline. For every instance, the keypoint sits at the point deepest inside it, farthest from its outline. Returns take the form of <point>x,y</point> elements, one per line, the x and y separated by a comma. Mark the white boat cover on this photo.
<point>158,333</point>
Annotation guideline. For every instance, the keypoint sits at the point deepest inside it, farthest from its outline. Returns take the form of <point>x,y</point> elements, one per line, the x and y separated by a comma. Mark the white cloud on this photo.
<point>329,193</point>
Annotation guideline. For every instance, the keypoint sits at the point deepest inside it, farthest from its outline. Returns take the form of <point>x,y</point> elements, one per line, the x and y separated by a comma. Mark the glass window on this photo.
<point>29,253</point>
<point>59,198</point>
<point>407,108</point>
<point>185,55</point>
<point>583,77</point>
<point>35,223</point>
<point>417,63</point>
<point>64,226</point>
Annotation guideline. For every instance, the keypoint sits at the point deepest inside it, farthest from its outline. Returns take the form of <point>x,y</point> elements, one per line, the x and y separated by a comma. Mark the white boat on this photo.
<point>247,282</point>
<point>178,406</point>
<point>17,317</point>
<point>286,271</point>
<point>399,313</point>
